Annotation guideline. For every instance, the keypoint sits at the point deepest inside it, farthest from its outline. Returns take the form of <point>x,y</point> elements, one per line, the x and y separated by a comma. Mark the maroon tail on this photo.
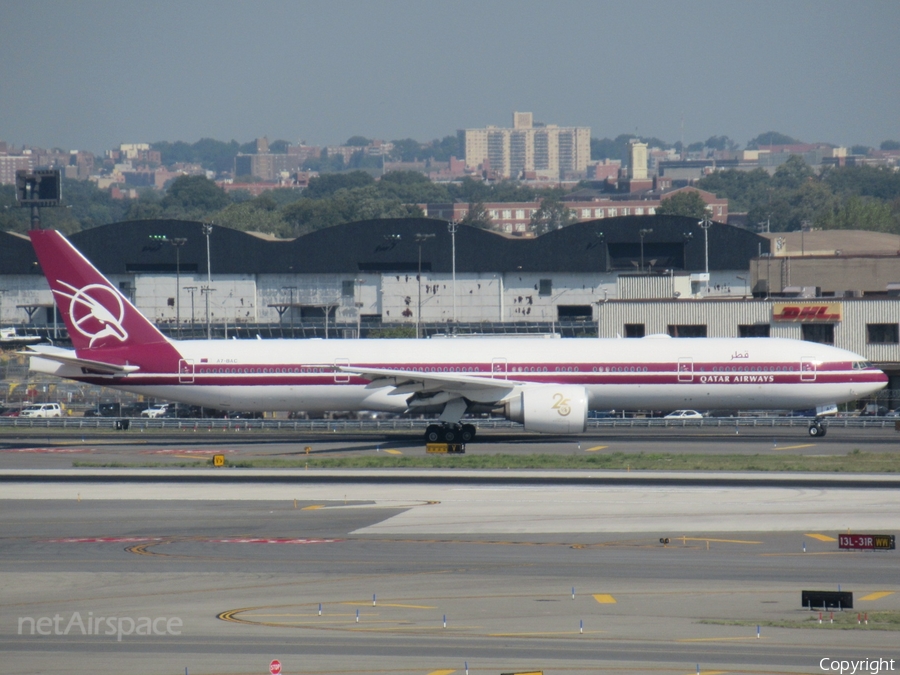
<point>102,323</point>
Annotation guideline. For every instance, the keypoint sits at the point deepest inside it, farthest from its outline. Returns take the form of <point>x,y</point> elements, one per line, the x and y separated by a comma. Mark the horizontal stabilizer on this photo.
<point>69,358</point>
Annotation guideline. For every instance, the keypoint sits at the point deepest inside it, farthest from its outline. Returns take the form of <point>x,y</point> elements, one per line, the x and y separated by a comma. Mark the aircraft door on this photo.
<point>685,369</point>
<point>185,371</point>
<point>340,377</point>
<point>499,368</point>
<point>807,369</point>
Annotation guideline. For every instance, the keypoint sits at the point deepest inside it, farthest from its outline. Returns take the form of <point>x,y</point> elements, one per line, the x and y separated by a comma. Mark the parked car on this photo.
<point>181,411</point>
<point>113,409</point>
<point>44,410</point>
<point>683,415</point>
<point>155,411</point>
<point>240,415</point>
<point>874,410</point>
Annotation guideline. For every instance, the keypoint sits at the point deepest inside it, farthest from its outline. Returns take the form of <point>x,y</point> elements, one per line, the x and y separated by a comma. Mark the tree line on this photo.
<point>330,199</point>
<point>852,197</point>
<point>834,198</point>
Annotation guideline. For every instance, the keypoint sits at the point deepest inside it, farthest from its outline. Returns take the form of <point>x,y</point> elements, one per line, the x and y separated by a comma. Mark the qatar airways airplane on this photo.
<point>548,385</point>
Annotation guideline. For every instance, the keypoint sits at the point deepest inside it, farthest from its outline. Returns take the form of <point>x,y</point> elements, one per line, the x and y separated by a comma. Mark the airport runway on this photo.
<point>243,568</point>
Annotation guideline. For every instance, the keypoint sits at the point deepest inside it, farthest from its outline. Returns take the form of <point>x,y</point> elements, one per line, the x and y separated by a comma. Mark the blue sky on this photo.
<point>90,75</point>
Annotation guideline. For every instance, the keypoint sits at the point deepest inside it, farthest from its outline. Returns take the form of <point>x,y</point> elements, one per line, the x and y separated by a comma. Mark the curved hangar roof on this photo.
<point>390,245</point>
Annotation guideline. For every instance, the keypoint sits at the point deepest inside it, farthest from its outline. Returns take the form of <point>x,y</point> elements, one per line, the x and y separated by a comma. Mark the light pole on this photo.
<point>2,291</point>
<point>420,239</point>
<point>452,226</point>
<point>601,240</point>
<point>207,230</point>
<point>357,300</point>
<point>643,233</point>
<point>600,305</point>
<point>191,289</point>
<point>178,242</point>
<point>705,224</point>
<point>291,306</point>
<point>206,290</point>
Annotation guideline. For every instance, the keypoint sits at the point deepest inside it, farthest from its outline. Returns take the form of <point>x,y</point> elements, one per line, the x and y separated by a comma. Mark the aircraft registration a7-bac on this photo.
<point>548,385</point>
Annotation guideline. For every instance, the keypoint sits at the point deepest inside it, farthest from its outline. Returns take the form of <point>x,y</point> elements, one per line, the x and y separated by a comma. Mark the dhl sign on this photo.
<point>806,311</point>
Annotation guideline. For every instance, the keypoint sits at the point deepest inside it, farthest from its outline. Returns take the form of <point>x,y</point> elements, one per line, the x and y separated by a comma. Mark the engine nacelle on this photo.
<point>550,409</point>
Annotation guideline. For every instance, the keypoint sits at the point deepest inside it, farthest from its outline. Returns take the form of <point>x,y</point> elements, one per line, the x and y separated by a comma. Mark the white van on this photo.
<point>42,410</point>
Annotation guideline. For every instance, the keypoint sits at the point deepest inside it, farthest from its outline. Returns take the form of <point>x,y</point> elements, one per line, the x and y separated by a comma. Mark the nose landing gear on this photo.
<point>816,429</point>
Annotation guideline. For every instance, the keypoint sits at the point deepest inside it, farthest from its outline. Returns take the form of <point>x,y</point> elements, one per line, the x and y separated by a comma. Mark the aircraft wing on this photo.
<point>69,358</point>
<point>482,389</point>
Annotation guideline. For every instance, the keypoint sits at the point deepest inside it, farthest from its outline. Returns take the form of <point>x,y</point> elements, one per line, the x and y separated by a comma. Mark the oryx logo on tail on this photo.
<point>97,311</point>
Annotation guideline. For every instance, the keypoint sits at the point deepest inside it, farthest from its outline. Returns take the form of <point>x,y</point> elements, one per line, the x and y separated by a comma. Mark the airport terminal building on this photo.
<point>628,276</point>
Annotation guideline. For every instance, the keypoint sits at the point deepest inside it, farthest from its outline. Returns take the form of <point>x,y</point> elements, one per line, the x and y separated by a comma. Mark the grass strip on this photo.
<point>854,462</point>
<point>846,620</point>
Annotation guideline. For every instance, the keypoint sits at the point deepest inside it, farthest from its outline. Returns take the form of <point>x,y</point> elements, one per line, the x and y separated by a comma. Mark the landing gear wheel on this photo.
<point>816,430</point>
<point>467,433</point>
<point>433,434</point>
<point>449,435</point>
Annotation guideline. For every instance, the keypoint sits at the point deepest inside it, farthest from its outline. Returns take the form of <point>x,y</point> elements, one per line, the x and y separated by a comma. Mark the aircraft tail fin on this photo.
<point>99,318</point>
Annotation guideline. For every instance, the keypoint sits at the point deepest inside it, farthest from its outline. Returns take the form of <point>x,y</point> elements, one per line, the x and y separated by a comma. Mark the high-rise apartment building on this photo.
<point>9,164</point>
<point>547,150</point>
<point>638,165</point>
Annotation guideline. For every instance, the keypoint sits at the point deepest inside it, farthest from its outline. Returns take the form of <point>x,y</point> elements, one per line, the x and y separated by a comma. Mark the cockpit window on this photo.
<point>862,365</point>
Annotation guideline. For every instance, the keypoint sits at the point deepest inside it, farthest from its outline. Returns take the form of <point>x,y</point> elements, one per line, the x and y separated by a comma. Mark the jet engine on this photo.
<point>549,409</point>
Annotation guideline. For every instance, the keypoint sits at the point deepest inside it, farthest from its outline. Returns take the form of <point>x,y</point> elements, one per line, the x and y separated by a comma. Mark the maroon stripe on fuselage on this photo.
<point>617,374</point>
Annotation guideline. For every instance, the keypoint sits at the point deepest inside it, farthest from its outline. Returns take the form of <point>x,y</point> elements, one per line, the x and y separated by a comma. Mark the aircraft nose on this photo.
<point>877,383</point>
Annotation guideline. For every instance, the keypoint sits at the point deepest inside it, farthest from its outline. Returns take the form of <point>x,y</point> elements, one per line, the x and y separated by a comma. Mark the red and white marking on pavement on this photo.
<point>229,540</point>
<point>175,451</point>
<point>104,540</point>
<point>264,540</point>
<point>49,450</point>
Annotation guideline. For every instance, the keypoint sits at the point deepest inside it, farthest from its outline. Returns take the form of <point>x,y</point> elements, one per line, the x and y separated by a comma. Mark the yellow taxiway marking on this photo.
<point>393,452</point>
<point>604,598</point>
<point>329,614</point>
<point>388,604</point>
<point>711,672</point>
<point>720,541</point>
<point>560,632</point>
<point>313,507</point>
<point>820,537</point>
<point>596,448</point>
<point>719,639</point>
<point>319,622</point>
<point>788,555</point>
<point>877,596</point>
<point>441,672</point>
<point>795,447</point>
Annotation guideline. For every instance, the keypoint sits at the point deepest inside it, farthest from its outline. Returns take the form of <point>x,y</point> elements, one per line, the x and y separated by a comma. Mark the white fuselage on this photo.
<point>647,373</point>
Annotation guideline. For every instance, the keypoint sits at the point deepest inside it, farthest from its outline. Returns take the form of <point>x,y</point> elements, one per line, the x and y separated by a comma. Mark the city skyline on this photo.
<point>81,76</point>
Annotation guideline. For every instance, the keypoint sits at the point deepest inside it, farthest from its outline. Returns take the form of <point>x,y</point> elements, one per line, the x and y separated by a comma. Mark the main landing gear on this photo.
<point>449,433</point>
<point>817,429</point>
